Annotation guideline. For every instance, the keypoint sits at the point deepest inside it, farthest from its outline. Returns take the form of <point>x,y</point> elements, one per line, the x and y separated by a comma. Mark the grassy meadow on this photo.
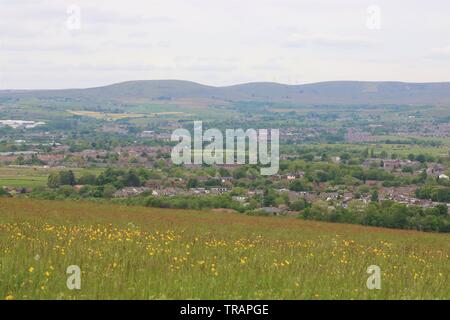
<point>31,177</point>
<point>145,253</point>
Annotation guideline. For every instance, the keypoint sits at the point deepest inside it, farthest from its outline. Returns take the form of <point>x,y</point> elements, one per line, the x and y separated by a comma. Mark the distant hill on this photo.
<point>333,92</point>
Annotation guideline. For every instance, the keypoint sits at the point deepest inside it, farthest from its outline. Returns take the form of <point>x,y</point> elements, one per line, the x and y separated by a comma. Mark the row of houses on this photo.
<point>170,191</point>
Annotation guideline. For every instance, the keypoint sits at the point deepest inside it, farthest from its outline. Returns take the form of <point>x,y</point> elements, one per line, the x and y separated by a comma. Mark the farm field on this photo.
<point>400,149</point>
<point>119,116</point>
<point>106,116</point>
<point>30,177</point>
<point>146,253</point>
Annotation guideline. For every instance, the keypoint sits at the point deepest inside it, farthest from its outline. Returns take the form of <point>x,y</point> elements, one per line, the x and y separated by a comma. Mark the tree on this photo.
<point>224,172</point>
<point>408,170</point>
<point>270,197</point>
<point>396,216</point>
<point>62,178</point>
<point>53,180</point>
<point>192,183</point>
<point>374,196</point>
<point>298,205</point>
<point>87,178</point>
<point>239,173</point>
<point>299,185</point>
<point>423,176</point>
<point>108,191</point>
<point>66,178</point>
<point>421,158</point>
<point>319,210</point>
<point>442,209</point>
<point>66,191</point>
<point>131,179</point>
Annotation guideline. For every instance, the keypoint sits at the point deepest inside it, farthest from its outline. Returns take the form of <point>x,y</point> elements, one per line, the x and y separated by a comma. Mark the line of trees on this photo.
<point>434,192</point>
<point>115,177</point>
<point>386,214</point>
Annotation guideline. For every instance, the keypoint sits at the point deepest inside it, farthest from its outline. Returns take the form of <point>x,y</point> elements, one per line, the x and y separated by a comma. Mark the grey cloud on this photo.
<point>95,15</point>
<point>42,46</point>
<point>327,40</point>
<point>441,53</point>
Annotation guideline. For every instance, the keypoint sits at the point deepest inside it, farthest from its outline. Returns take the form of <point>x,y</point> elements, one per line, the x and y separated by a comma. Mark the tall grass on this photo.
<point>144,253</point>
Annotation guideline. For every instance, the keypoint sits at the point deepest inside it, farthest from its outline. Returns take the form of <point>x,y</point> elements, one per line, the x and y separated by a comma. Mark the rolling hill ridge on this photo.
<point>333,92</point>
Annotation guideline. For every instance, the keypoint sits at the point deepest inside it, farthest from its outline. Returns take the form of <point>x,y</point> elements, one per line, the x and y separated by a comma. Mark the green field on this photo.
<point>143,253</point>
<point>29,177</point>
<point>399,149</point>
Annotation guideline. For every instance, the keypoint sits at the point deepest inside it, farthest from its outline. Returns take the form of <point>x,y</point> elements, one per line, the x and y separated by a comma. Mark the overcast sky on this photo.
<point>84,43</point>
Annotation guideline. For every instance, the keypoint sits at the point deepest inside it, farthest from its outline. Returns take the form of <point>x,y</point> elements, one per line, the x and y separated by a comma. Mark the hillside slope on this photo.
<point>148,253</point>
<point>334,92</point>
